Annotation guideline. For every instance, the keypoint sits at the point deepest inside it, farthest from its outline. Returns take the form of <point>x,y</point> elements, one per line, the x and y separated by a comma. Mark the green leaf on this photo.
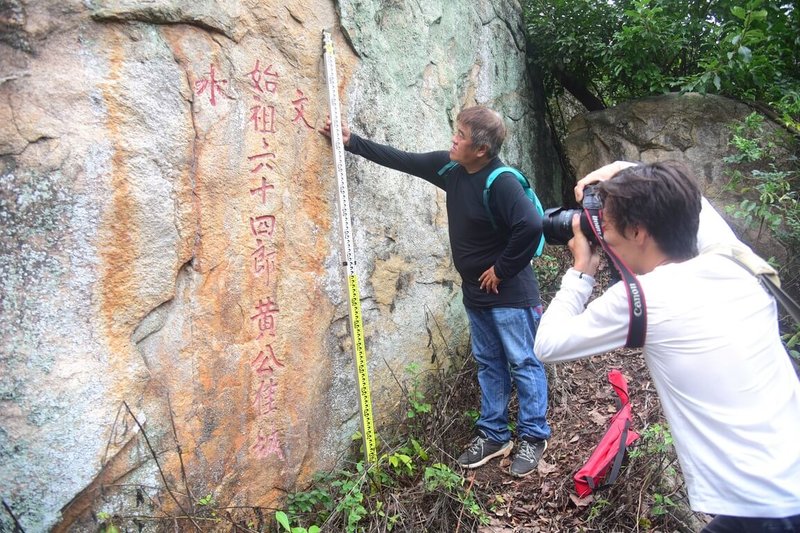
<point>745,53</point>
<point>283,520</point>
<point>739,12</point>
<point>754,36</point>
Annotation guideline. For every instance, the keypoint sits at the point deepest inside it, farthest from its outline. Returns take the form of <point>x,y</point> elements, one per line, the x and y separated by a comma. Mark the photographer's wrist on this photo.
<point>585,263</point>
<point>584,274</point>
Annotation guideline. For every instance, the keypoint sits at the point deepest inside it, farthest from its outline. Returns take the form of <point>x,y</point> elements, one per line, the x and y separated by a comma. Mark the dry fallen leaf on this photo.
<point>495,526</point>
<point>545,468</point>
<point>598,418</point>
<point>581,502</point>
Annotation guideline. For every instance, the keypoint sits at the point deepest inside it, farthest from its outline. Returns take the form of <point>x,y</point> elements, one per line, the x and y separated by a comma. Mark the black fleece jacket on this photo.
<point>474,243</point>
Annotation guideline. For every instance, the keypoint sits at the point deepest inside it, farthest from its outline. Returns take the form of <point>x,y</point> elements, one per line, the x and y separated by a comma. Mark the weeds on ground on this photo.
<point>107,523</point>
<point>649,495</point>
<point>411,488</point>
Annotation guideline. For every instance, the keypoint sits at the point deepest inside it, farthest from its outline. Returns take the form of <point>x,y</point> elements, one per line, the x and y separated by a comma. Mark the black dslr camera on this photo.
<point>557,221</point>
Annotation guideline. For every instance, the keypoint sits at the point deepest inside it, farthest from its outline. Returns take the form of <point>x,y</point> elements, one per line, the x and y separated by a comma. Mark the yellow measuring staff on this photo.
<point>356,326</point>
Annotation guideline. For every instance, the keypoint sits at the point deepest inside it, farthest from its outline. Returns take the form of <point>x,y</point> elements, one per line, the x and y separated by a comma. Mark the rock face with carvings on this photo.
<point>174,318</point>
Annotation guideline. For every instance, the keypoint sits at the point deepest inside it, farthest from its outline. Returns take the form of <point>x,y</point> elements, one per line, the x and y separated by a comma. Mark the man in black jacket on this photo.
<point>500,291</point>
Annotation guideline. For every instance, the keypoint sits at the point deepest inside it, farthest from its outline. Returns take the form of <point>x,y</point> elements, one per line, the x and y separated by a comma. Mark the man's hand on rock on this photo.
<point>326,131</point>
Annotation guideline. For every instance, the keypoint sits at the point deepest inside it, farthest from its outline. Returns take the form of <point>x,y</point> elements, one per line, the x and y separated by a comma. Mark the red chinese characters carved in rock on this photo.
<point>263,261</point>
<point>262,226</point>
<point>263,118</point>
<point>211,84</point>
<point>263,81</point>
<point>266,362</point>
<point>267,445</point>
<point>299,108</point>
<point>262,190</point>
<point>265,397</point>
<point>263,156</point>
<point>265,317</point>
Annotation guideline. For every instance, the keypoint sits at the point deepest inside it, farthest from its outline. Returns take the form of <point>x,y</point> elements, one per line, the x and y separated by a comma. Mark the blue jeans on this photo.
<point>733,524</point>
<point>502,343</point>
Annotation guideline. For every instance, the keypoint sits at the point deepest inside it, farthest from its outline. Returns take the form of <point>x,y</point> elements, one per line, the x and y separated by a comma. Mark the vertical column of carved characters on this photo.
<point>263,84</point>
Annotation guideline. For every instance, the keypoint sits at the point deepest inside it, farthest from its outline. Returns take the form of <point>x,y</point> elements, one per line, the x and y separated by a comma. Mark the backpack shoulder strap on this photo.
<point>526,187</point>
<point>762,270</point>
<point>745,258</point>
<point>447,168</point>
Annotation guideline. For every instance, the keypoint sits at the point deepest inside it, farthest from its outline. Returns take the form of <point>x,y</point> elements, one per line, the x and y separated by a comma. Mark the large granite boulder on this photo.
<point>173,317</point>
<point>692,128</point>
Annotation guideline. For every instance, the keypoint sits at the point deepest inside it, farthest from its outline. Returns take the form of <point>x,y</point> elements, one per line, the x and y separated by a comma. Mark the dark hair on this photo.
<point>662,198</point>
<point>486,126</point>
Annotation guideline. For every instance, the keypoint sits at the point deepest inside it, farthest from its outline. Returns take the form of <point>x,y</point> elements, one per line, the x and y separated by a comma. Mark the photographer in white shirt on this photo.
<point>727,387</point>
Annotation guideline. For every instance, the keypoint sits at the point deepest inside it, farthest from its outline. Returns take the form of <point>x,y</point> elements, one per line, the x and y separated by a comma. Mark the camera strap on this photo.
<point>637,310</point>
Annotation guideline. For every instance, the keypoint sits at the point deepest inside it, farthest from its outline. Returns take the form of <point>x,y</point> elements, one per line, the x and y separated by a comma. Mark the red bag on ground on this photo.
<point>602,468</point>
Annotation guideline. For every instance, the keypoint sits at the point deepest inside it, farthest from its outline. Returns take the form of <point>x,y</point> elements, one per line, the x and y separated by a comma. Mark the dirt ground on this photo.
<point>648,495</point>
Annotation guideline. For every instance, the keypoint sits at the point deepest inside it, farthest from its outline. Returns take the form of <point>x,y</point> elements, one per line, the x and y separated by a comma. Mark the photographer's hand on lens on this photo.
<point>586,258</point>
<point>489,281</point>
<point>601,174</point>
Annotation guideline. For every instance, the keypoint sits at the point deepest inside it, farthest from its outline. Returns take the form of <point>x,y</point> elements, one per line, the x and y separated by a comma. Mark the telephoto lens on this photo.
<point>557,225</point>
<point>557,221</point>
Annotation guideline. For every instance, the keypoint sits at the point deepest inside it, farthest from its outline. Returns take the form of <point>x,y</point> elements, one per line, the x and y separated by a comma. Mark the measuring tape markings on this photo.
<point>357,329</point>
<point>361,362</point>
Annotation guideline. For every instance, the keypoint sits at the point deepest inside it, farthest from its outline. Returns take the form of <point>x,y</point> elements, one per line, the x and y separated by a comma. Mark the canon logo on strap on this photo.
<point>636,299</point>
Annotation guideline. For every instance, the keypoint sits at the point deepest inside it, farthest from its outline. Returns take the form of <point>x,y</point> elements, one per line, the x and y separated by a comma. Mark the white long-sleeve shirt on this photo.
<point>727,387</point>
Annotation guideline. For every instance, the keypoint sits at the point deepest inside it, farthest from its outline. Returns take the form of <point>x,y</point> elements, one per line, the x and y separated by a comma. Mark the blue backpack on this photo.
<point>526,187</point>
